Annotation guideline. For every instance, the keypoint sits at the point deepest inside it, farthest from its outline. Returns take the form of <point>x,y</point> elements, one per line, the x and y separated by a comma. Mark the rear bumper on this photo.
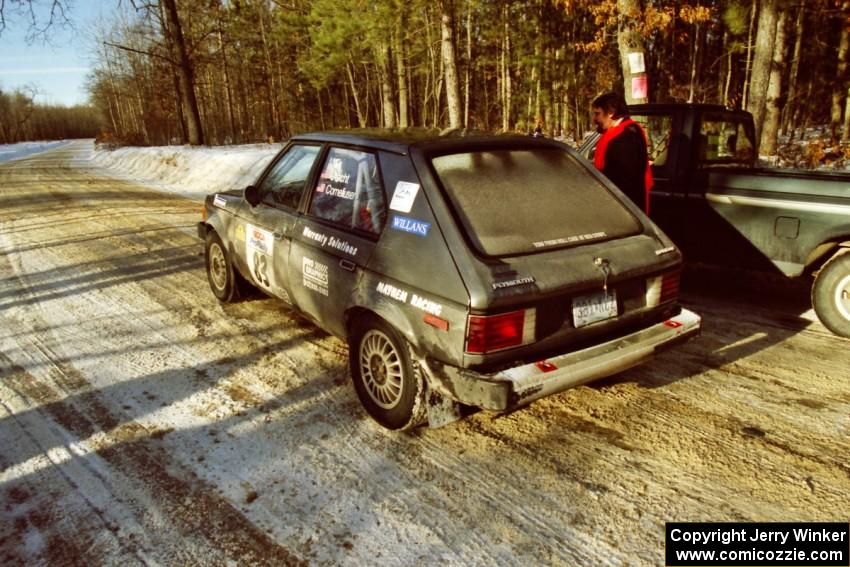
<point>521,385</point>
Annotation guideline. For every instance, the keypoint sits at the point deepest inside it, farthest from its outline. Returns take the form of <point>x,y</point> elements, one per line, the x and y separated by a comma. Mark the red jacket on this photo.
<point>626,159</point>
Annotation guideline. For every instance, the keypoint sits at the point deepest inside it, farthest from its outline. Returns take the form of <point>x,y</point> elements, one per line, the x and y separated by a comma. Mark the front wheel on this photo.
<point>831,294</point>
<point>220,272</point>
<point>386,376</point>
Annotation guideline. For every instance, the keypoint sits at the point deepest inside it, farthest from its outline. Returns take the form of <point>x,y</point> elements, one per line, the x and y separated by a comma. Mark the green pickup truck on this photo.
<point>720,207</point>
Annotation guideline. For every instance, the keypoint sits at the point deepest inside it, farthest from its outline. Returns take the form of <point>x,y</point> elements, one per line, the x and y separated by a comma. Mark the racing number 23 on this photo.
<point>261,267</point>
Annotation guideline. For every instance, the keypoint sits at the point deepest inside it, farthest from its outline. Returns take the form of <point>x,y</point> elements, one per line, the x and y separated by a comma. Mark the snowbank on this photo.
<point>192,172</point>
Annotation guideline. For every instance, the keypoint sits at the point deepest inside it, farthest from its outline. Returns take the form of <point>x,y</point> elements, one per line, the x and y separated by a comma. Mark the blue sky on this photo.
<point>59,70</point>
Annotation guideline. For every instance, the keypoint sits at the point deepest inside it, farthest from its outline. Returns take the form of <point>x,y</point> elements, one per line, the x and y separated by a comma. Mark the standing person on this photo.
<point>621,152</point>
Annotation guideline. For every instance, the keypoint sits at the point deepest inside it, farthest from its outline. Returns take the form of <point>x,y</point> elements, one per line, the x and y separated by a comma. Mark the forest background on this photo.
<point>237,71</point>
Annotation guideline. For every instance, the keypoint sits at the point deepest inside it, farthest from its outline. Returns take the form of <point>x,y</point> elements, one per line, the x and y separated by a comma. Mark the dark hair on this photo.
<point>613,103</point>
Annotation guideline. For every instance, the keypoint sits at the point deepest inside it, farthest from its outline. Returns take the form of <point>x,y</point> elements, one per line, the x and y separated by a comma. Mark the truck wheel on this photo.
<point>387,377</point>
<point>831,295</point>
<point>220,271</point>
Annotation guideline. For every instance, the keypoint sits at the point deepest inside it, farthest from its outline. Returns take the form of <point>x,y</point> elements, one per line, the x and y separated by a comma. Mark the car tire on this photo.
<point>220,273</point>
<point>387,377</point>
<point>831,294</point>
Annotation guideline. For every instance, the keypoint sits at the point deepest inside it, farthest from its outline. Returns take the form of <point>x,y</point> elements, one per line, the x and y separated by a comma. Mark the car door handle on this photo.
<point>347,265</point>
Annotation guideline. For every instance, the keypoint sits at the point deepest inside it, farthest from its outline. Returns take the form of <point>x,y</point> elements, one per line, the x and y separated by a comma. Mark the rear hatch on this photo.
<point>554,259</point>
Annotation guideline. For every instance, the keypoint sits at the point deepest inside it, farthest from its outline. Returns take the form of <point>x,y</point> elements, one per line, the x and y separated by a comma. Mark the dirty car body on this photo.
<point>484,271</point>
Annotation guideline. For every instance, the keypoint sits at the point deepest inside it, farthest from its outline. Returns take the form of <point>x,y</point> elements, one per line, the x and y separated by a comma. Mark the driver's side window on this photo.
<point>284,184</point>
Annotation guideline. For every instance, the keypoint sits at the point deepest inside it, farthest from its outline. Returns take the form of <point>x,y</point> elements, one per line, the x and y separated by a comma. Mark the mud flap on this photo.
<point>442,410</point>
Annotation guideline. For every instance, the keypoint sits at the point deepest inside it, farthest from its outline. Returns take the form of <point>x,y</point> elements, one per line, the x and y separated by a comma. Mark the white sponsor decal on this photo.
<point>219,201</point>
<point>392,291</point>
<point>330,241</point>
<point>665,250</point>
<point>404,195</point>
<point>315,275</point>
<point>417,301</point>
<point>569,239</point>
<point>426,305</point>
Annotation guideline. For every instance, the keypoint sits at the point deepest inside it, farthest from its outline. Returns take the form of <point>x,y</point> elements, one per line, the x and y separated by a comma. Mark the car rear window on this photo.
<point>520,201</point>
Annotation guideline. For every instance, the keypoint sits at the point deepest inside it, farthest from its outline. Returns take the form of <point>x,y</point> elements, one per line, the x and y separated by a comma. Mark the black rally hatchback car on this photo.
<point>462,270</point>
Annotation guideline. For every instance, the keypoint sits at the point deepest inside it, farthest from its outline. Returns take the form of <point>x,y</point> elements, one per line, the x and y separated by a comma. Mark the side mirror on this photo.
<point>252,195</point>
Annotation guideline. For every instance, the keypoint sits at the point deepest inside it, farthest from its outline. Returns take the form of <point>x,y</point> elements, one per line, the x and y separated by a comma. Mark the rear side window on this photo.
<point>349,192</point>
<point>520,201</point>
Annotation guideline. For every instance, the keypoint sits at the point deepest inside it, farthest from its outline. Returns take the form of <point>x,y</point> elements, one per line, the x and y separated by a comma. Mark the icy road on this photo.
<point>143,423</point>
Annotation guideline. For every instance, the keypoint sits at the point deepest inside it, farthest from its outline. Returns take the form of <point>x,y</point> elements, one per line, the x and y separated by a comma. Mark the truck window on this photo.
<point>349,192</point>
<point>723,139</point>
<point>659,129</point>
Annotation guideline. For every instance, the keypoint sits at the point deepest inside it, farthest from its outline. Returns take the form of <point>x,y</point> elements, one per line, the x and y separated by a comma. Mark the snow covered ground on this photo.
<point>9,152</point>
<point>191,172</point>
<point>142,422</point>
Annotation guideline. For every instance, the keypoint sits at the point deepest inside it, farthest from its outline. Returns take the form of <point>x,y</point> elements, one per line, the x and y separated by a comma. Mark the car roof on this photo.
<point>401,140</point>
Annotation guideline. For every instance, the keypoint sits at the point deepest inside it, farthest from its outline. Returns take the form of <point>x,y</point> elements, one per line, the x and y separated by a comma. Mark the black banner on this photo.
<point>694,544</point>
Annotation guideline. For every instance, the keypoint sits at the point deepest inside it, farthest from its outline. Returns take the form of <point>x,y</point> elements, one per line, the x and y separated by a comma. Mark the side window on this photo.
<point>659,129</point>
<point>722,140</point>
<point>349,192</point>
<point>285,182</point>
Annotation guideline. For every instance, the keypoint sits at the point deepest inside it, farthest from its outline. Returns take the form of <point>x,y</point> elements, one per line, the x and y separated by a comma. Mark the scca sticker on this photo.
<point>404,195</point>
<point>413,226</point>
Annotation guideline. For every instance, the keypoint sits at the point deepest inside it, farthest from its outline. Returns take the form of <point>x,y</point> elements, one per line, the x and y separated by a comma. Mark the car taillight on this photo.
<point>663,288</point>
<point>497,332</point>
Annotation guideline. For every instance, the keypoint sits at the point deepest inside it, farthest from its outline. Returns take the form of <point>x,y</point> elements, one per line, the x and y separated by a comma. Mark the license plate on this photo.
<point>594,307</point>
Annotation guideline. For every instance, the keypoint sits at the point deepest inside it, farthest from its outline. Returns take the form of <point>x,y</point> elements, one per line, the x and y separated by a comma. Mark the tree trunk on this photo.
<point>228,91</point>
<point>468,80</point>
<point>506,69</point>
<point>401,76</point>
<point>765,39</point>
<point>839,89</point>
<point>773,113</point>
<point>727,85</point>
<point>361,117</point>
<point>791,101</point>
<point>450,63</point>
<point>272,84</point>
<point>385,80</point>
<point>630,44</point>
<point>748,66</point>
<point>694,62</point>
<point>185,72</point>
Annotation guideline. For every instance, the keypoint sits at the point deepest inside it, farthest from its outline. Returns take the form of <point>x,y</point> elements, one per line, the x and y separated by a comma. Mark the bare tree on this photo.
<point>450,63</point>
<point>39,21</point>
<point>762,59</point>
<point>631,48</point>
<point>773,112</point>
<point>185,72</point>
